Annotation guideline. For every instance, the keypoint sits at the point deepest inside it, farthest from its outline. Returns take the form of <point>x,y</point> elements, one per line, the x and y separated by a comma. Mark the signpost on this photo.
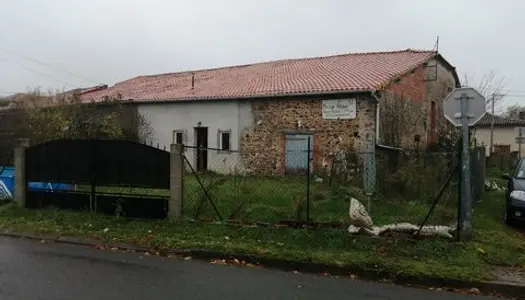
<point>520,139</point>
<point>464,107</point>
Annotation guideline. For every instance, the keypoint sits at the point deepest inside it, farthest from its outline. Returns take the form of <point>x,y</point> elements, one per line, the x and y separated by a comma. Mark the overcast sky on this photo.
<point>106,41</point>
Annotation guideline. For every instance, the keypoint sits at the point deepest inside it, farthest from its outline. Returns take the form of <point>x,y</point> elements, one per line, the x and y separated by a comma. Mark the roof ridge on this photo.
<point>503,117</point>
<point>386,52</point>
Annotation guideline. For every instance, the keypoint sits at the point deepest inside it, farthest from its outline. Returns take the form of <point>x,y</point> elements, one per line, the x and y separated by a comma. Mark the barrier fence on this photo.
<point>265,186</point>
<point>404,189</point>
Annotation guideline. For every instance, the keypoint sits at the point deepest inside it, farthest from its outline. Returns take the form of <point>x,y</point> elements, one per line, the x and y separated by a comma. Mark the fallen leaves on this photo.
<point>234,261</point>
<point>354,277</point>
<point>100,247</point>
<point>471,291</point>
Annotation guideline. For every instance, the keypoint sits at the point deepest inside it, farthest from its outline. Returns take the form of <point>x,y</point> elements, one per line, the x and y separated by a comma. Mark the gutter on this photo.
<point>376,96</point>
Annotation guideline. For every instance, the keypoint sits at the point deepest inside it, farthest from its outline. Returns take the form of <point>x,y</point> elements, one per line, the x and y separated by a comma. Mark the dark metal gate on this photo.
<point>117,177</point>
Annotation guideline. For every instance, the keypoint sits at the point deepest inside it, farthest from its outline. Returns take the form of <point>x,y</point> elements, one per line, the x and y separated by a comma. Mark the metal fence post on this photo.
<point>308,170</point>
<point>176,181</point>
<point>370,174</point>
<point>459,173</point>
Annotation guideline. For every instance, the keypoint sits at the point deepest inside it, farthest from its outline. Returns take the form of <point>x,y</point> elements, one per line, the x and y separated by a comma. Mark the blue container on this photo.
<point>7,176</point>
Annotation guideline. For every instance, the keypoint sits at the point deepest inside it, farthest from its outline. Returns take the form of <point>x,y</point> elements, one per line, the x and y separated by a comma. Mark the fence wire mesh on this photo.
<point>225,189</point>
<point>316,187</point>
<point>410,185</point>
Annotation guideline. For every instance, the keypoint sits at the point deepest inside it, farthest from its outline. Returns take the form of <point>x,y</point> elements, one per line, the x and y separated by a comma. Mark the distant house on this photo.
<point>269,111</point>
<point>505,132</point>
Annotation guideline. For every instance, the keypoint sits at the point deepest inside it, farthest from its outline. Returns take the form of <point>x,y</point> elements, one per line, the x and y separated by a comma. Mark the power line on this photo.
<point>40,73</point>
<point>48,65</point>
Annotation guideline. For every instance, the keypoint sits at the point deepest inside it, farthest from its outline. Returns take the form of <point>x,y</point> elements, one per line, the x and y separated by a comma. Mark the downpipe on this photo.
<point>376,96</point>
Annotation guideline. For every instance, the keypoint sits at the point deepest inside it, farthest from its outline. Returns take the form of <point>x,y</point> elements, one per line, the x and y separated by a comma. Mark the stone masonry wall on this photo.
<point>263,145</point>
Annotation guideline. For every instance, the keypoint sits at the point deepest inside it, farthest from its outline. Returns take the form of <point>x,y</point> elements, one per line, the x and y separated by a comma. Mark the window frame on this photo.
<point>174,136</point>
<point>220,133</point>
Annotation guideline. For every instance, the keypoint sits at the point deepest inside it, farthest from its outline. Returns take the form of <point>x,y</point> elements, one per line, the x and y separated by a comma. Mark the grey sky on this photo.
<point>112,40</point>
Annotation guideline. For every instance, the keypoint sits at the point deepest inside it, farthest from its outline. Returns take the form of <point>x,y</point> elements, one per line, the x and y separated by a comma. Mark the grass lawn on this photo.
<point>495,244</point>
<point>273,199</point>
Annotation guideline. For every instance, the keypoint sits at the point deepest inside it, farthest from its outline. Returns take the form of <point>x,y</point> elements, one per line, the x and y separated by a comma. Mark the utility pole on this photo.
<point>492,124</point>
<point>494,95</point>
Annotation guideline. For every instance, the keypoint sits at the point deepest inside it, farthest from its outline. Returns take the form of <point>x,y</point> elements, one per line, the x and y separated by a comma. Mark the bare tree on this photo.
<point>492,87</point>
<point>513,111</point>
<point>401,120</point>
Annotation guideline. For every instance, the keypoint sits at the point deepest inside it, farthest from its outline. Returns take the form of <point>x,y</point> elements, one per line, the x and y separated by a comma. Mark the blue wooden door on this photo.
<point>296,151</point>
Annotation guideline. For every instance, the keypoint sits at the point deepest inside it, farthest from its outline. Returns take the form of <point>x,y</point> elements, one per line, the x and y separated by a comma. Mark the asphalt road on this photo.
<point>33,270</point>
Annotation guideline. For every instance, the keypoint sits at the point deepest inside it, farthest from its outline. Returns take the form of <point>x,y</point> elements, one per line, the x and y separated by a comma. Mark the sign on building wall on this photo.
<point>339,109</point>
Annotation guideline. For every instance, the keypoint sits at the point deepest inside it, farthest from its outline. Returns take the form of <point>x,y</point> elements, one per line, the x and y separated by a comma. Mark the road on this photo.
<point>33,270</point>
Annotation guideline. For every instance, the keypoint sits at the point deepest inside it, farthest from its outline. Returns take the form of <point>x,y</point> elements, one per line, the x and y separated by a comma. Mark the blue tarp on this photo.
<point>7,183</point>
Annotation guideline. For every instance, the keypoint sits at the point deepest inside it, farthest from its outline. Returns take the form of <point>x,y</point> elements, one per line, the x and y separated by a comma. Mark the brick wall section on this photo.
<point>411,86</point>
<point>437,90</point>
<point>263,145</point>
<point>424,85</point>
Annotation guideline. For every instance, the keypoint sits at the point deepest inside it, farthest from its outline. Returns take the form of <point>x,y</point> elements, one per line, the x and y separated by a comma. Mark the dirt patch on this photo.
<point>506,274</point>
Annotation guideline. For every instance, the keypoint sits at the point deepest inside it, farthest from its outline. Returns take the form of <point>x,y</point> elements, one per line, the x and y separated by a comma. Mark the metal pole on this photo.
<point>492,124</point>
<point>519,150</point>
<point>519,142</point>
<point>308,183</point>
<point>466,203</point>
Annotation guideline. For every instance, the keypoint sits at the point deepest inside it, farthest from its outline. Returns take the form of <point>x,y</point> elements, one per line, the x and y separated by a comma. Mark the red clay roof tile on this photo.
<point>338,73</point>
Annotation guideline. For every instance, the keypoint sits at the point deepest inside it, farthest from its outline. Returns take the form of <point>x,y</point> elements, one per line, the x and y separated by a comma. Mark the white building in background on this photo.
<point>504,136</point>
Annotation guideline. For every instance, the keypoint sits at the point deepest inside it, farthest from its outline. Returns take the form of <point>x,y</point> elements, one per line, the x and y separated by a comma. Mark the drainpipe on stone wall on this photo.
<point>376,97</point>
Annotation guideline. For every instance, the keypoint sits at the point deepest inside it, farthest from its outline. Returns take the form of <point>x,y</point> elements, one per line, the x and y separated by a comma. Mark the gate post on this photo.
<point>20,172</point>
<point>176,184</point>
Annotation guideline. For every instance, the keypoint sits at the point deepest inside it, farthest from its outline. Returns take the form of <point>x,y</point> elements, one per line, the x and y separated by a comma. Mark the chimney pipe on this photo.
<point>192,81</point>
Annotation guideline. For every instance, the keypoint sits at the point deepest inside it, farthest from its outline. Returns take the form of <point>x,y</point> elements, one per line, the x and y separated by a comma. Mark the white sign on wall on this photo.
<point>339,109</point>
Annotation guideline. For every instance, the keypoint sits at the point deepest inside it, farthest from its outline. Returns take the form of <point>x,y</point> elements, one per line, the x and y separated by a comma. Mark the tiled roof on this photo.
<point>330,74</point>
<point>499,121</point>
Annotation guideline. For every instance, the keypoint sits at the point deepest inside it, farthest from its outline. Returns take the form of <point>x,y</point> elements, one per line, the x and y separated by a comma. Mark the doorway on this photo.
<point>297,157</point>
<point>201,138</point>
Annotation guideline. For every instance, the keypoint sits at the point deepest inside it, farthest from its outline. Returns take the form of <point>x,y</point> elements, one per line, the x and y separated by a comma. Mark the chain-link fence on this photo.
<point>218,185</point>
<point>307,186</point>
<point>412,186</point>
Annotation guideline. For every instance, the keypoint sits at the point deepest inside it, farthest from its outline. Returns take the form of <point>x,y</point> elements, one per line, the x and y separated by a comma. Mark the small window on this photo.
<point>224,140</point>
<point>178,137</point>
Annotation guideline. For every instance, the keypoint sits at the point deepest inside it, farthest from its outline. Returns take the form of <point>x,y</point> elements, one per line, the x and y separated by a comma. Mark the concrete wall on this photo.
<point>503,135</point>
<point>234,116</point>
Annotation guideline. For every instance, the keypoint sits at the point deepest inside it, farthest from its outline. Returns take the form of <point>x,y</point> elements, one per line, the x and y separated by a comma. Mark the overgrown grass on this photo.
<point>495,244</point>
<point>273,199</point>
